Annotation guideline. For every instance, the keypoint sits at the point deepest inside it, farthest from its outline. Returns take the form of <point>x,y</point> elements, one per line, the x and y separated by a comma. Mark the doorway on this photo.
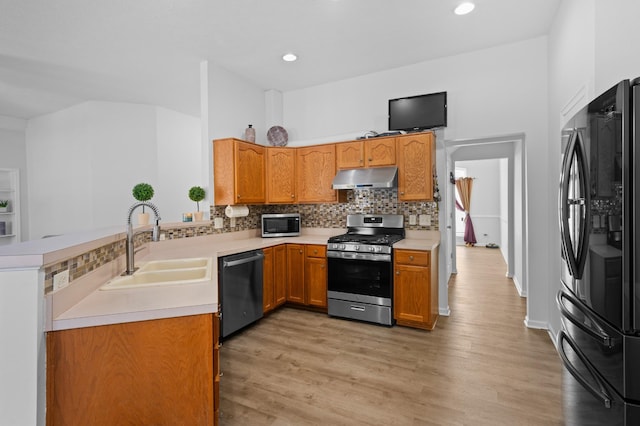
<point>511,148</point>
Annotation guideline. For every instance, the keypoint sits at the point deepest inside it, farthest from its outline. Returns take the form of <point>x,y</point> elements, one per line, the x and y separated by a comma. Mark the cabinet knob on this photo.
<point>315,251</point>
<point>402,193</point>
<point>238,195</point>
<point>410,257</point>
<point>370,159</point>
<point>293,196</point>
<point>300,251</point>
<point>321,266</point>
<point>397,272</point>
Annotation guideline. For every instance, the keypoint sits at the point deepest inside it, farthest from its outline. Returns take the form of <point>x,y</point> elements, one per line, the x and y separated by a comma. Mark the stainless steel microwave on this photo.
<point>281,225</point>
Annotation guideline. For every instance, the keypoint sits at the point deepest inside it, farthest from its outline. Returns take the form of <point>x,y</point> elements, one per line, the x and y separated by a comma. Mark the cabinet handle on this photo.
<point>321,266</point>
<point>402,193</point>
<point>397,272</point>
<point>238,195</point>
<point>315,251</point>
<point>293,196</point>
<point>300,251</point>
<point>410,257</point>
<point>370,159</point>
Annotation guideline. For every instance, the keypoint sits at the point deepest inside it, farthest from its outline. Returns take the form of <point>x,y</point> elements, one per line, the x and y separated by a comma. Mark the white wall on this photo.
<point>13,155</point>
<point>485,200</point>
<point>84,161</point>
<point>490,92</point>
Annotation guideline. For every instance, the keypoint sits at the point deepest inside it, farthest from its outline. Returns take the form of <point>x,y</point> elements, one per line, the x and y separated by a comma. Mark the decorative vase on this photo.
<point>197,216</point>
<point>250,134</point>
<point>143,219</point>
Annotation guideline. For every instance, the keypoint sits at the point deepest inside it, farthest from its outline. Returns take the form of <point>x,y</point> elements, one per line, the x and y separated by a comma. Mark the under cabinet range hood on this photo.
<point>376,177</point>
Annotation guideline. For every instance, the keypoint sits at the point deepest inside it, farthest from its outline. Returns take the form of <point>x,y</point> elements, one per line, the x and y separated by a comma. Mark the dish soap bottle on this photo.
<point>250,134</point>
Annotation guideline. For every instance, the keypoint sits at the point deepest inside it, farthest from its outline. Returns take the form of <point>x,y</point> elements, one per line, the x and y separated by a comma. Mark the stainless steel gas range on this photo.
<point>360,262</point>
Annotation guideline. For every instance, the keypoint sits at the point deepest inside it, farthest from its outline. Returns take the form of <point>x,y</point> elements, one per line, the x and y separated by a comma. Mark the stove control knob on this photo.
<point>356,247</point>
<point>342,246</point>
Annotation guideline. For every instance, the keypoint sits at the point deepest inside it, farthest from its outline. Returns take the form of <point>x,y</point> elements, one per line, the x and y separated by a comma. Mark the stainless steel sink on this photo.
<point>165,272</point>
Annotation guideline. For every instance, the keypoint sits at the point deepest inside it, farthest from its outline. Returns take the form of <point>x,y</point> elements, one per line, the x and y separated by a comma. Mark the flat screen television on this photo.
<point>421,112</point>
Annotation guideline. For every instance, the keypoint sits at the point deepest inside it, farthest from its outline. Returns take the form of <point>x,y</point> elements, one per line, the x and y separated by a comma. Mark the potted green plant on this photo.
<point>4,205</point>
<point>143,192</point>
<point>196,193</point>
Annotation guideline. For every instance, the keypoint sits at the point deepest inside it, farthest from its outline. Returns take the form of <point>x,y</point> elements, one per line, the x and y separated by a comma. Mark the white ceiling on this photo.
<point>56,53</point>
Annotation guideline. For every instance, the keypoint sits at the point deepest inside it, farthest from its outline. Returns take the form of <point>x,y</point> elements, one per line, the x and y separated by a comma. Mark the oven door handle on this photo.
<point>359,256</point>
<point>601,393</point>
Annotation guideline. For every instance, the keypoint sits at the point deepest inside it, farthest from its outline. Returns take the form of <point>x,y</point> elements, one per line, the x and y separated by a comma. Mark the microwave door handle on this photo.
<point>599,393</point>
<point>596,332</point>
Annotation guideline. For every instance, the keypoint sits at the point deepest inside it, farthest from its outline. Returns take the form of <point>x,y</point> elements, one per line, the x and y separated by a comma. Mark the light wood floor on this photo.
<point>480,366</point>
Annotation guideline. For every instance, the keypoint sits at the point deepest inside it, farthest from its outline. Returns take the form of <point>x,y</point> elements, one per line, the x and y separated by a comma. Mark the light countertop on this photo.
<point>82,304</point>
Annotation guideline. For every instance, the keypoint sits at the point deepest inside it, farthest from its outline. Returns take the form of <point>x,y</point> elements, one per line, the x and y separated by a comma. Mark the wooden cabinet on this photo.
<point>315,275</point>
<point>275,276</point>
<point>366,153</point>
<point>307,275</point>
<point>415,288</point>
<point>315,170</point>
<point>162,371</point>
<point>415,155</point>
<point>238,172</point>
<point>281,177</point>
<point>295,274</point>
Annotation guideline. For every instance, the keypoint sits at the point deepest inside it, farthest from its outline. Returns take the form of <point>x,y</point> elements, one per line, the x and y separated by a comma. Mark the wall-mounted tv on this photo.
<point>415,113</point>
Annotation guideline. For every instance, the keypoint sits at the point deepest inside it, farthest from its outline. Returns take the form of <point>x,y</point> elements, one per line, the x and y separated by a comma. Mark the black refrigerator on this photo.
<point>599,299</point>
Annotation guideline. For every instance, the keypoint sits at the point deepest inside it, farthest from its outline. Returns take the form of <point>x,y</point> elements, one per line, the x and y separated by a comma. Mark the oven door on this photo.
<point>362,277</point>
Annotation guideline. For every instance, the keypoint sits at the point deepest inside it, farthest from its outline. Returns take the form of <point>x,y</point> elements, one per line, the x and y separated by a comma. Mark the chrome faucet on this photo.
<point>155,234</point>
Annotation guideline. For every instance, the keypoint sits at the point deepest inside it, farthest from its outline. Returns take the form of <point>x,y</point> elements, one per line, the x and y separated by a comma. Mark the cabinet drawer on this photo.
<point>316,250</point>
<point>413,257</point>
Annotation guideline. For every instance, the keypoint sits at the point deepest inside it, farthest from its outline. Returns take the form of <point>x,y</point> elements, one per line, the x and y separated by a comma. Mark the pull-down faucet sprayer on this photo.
<point>155,234</point>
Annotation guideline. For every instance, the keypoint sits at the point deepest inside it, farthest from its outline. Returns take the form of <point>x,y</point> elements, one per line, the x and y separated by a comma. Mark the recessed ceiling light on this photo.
<point>289,57</point>
<point>464,8</point>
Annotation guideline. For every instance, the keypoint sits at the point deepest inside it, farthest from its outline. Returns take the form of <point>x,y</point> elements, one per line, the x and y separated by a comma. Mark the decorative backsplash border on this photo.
<point>330,215</point>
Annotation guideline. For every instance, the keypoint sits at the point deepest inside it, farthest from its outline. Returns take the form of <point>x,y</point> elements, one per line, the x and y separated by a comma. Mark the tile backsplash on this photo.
<point>330,215</point>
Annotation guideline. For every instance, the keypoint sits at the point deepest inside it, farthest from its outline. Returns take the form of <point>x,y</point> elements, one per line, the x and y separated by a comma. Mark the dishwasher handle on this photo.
<point>228,263</point>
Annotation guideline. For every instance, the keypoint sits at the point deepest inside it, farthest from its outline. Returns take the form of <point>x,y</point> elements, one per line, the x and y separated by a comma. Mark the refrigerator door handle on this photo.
<point>576,257</point>
<point>595,331</point>
<point>601,393</point>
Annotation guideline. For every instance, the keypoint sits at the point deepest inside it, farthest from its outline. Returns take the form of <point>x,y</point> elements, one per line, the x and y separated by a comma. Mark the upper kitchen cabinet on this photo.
<point>9,214</point>
<point>238,172</point>
<point>366,153</point>
<point>315,170</point>
<point>281,177</point>
<point>415,155</point>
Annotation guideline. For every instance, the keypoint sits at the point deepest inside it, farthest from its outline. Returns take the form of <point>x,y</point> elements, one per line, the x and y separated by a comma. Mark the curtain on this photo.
<point>464,185</point>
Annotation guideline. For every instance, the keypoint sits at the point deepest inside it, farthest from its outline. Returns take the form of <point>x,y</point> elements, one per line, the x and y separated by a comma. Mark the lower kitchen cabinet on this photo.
<point>295,274</point>
<point>275,277</point>
<point>160,372</point>
<point>415,288</point>
<point>307,275</point>
<point>315,275</point>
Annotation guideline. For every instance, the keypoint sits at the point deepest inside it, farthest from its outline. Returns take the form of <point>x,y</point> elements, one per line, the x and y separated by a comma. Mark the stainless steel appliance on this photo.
<point>240,290</point>
<point>599,300</point>
<point>280,225</point>
<point>360,268</point>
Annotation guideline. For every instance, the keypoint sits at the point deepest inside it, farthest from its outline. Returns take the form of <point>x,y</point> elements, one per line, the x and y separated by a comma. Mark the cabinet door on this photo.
<point>249,172</point>
<point>133,373</point>
<point>315,170</point>
<point>295,273</point>
<point>316,280</point>
<point>281,178</point>
<point>268,294</point>
<point>350,155</point>
<point>380,152</point>
<point>415,167</point>
<point>411,294</point>
<point>280,274</point>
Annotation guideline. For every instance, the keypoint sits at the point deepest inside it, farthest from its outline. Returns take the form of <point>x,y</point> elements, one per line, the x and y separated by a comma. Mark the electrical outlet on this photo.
<point>425,220</point>
<point>61,280</point>
<point>412,219</point>
<point>232,222</point>
<point>218,223</point>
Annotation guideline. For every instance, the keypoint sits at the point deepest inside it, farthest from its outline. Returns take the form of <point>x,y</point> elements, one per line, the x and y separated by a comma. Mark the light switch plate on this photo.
<point>61,280</point>
<point>218,223</point>
<point>425,220</point>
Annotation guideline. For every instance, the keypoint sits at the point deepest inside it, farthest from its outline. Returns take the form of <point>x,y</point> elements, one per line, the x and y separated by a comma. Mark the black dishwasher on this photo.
<point>240,290</point>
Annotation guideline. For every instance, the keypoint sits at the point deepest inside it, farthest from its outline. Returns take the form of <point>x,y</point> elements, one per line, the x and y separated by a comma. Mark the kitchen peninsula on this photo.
<point>31,309</point>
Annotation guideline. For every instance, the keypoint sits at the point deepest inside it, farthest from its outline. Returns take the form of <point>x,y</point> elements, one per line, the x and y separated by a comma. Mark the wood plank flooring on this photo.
<point>480,366</point>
